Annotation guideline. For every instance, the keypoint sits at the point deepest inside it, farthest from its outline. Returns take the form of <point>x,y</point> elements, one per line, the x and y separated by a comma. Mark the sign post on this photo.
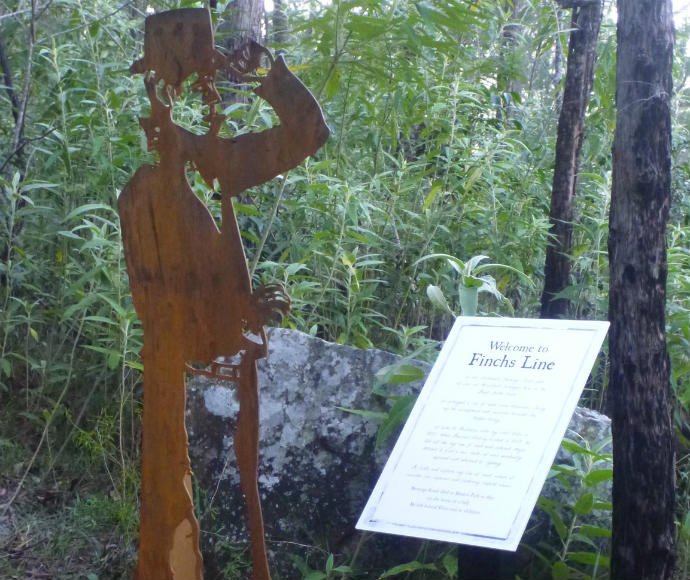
<point>473,456</point>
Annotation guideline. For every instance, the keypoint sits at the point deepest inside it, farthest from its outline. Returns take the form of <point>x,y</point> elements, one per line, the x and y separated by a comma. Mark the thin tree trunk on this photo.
<point>511,60</point>
<point>16,157</point>
<point>558,58</point>
<point>578,85</point>
<point>242,22</point>
<point>643,477</point>
<point>280,23</point>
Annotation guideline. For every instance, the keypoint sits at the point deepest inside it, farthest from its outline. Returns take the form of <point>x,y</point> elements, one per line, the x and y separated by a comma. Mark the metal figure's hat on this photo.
<point>177,44</point>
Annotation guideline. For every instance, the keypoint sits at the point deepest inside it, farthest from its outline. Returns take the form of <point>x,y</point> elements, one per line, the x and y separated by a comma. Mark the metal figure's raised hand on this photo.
<point>269,304</point>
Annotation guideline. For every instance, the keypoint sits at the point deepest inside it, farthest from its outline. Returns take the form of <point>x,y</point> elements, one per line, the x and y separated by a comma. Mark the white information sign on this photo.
<point>472,458</point>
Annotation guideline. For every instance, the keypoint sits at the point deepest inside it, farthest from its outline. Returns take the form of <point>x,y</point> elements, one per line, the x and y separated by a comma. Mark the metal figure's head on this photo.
<point>177,44</point>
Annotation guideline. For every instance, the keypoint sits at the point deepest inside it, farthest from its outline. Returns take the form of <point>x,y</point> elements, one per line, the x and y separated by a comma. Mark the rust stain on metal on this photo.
<point>189,279</point>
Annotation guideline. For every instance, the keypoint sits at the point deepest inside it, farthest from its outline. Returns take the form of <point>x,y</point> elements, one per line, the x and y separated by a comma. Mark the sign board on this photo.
<point>472,458</point>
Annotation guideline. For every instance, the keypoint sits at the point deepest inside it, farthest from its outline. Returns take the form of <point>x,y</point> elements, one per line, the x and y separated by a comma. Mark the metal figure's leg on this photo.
<point>169,532</point>
<point>247,452</point>
<point>246,440</point>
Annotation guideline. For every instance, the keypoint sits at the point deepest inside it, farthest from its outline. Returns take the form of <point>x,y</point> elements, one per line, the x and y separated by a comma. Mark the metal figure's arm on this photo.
<point>255,158</point>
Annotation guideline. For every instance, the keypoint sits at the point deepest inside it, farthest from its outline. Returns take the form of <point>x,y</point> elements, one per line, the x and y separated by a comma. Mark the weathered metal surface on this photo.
<point>189,279</point>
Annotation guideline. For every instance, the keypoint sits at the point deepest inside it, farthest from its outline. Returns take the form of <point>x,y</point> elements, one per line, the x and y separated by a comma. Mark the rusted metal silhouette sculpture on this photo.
<point>189,280</point>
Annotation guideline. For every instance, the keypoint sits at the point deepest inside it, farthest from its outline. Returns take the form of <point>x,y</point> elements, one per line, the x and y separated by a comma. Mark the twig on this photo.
<point>87,24</point>
<point>13,14</point>
<point>19,104</point>
<point>40,11</point>
<point>17,138</point>
<point>267,228</point>
<point>49,421</point>
<point>26,141</point>
<point>7,76</point>
<point>32,30</point>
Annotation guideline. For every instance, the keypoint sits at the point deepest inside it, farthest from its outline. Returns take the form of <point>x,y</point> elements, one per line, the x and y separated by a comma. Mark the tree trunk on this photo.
<point>578,85</point>
<point>643,478</point>
<point>512,60</point>
<point>558,58</point>
<point>242,22</point>
<point>279,22</point>
<point>16,160</point>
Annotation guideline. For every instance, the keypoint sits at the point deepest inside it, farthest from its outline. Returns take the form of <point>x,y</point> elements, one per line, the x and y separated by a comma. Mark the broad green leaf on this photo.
<point>450,564</point>
<point>474,175</point>
<point>396,417</point>
<point>560,571</point>
<point>39,185</point>
<point>68,234</point>
<point>602,505</point>
<point>448,257</point>
<point>102,320</point>
<point>598,475</point>
<point>301,565</point>
<point>472,282</point>
<point>368,414</point>
<point>392,374</point>
<point>413,566</point>
<point>522,275</point>
<point>365,27</point>
<point>113,360</point>
<point>101,349</point>
<point>406,374</point>
<point>89,207</point>
<point>74,308</point>
<point>589,558</point>
<point>118,308</point>
<point>570,445</point>
<point>457,265</point>
<point>584,504</point>
<point>247,209</point>
<point>134,365</point>
<point>558,523</point>
<point>596,531</point>
<point>431,196</point>
<point>584,539</point>
<point>473,262</point>
<point>333,83</point>
<point>435,294</point>
<point>566,469</point>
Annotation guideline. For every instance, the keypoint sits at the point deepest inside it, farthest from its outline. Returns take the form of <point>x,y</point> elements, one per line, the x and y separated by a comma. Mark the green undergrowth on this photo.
<point>442,145</point>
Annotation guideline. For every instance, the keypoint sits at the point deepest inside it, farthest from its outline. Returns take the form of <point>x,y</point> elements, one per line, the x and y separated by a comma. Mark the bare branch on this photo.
<point>577,3</point>
<point>24,143</point>
<point>7,78</point>
<point>17,140</point>
<point>39,11</point>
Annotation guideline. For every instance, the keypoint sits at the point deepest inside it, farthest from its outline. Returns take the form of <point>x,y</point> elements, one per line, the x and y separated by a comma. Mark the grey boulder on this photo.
<point>318,462</point>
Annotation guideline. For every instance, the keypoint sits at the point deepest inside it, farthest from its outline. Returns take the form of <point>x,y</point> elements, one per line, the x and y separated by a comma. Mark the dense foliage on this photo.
<point>443,143</point>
